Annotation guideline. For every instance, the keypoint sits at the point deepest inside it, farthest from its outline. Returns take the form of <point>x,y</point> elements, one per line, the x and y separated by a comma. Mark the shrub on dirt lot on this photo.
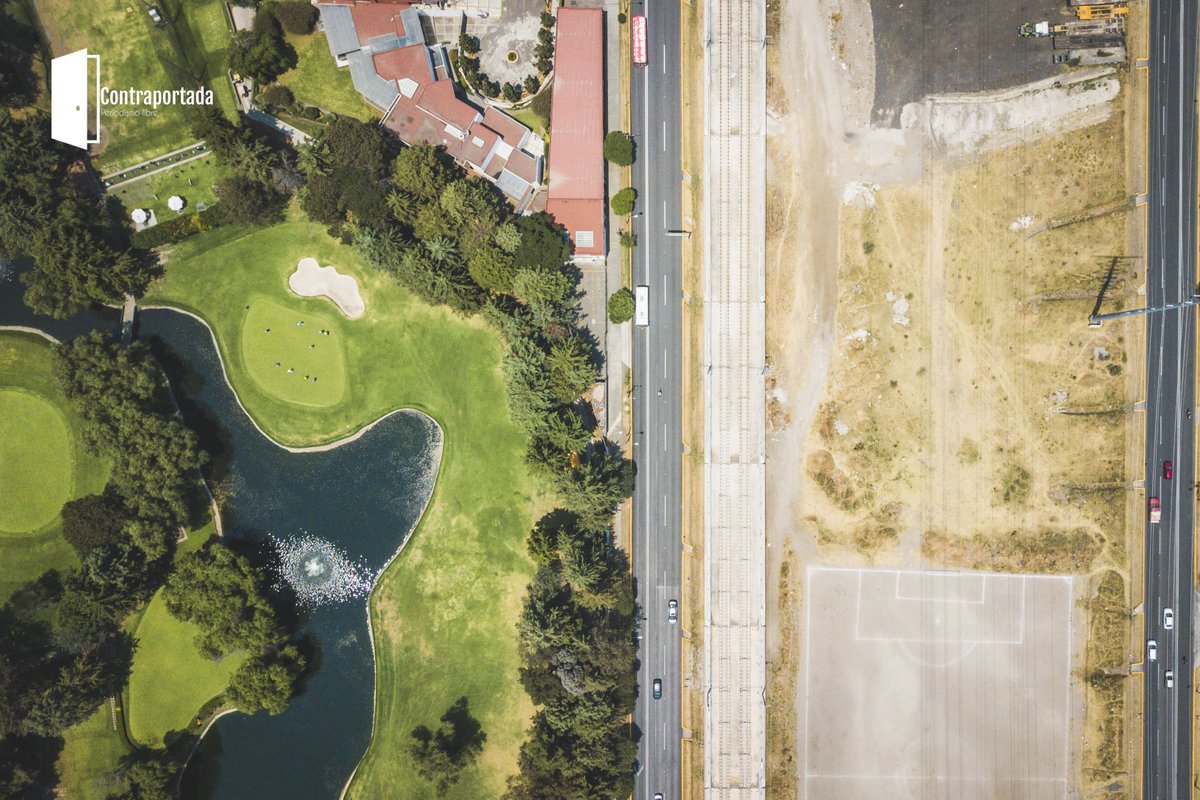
<point>296,16</point>
<point>622,202</point>
<point>620,306</point>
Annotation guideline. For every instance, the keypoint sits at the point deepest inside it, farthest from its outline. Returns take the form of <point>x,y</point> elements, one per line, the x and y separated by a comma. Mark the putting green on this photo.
<point>37,461</point>
<point>296,363</point>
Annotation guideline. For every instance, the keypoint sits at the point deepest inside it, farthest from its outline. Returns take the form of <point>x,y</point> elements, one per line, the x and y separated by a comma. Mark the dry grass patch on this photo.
<point>961,351</point>
<point>1107,673</point>
<point>782,676</point>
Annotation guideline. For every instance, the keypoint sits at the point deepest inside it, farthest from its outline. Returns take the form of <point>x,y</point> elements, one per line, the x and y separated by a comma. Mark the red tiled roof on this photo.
<point>523,165</point>
<point>376,19</point>
<point>509,129</point>
<point>477,153</point>
<point>578,215</point>
<point>439,100</point>
<point>576,179</point>
<point>404,62</point>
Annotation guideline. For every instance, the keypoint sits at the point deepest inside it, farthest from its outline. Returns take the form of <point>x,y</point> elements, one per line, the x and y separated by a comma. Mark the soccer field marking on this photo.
<point>1020,606</point>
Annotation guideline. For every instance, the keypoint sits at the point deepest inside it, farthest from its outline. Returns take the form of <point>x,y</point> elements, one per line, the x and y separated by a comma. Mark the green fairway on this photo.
<point>36,464</point>
<point>90,753</point>
<point>293,362</point>
<point>444,613</point>
<point>317,81</point>
<point>129,46</point>
<point>42,461</point>
<point>192,181</point>
<point>171,679</point>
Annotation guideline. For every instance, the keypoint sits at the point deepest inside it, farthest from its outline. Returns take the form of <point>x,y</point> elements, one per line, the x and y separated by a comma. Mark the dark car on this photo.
<point>1168,470</point>
<point>658,688</point>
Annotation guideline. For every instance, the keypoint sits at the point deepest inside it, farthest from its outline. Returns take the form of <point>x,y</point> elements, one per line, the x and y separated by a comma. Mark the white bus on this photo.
<point>641,306</point>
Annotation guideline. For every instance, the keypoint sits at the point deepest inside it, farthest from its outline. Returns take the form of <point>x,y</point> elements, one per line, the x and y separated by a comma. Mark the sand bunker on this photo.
<point>312,280</point>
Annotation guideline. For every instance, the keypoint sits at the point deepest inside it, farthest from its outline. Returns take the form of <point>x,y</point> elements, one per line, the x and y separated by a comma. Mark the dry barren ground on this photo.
<point>938,398</point>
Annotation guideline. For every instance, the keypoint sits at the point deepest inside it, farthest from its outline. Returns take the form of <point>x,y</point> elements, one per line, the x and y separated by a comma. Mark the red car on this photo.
<point>1168,470</point>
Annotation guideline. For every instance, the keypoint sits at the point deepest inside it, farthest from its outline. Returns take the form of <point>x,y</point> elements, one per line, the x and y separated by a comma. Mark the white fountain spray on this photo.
<point>318,571</point>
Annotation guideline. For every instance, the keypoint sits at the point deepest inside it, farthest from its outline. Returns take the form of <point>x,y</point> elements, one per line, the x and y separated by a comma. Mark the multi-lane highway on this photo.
<point>657,401</point>
<point>1170,397</point>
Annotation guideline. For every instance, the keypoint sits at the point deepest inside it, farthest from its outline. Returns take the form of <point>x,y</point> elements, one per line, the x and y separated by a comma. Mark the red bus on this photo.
<point>639,40</point>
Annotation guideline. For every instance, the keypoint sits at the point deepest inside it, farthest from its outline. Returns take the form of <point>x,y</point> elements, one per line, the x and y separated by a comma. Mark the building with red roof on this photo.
<point>383,45</point>
<point>575,193</point>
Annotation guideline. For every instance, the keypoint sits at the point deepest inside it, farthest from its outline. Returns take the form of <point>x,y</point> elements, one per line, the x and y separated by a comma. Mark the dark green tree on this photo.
<point>94,521</point>
<point>261,56</point>
<point>131,420</point>
<point>250,201</point>
<point>424,171</point>
<point>596,487</point>
<point>152,774</point>
<point>221,592</point>
<point>623,201</point>
<point>618,148</point>
<point>492,268</point>
<point>441,756</point>
<point>620,306</point>
<point>267,681</point>
<point>541,286</point>
<point>543,243</point>
<point>296,16</point>
<point>571,369</point>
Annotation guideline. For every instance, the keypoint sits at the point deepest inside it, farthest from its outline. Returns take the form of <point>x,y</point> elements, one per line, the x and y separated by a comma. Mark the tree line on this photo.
<point>451,239</point>
<point>64,644</point>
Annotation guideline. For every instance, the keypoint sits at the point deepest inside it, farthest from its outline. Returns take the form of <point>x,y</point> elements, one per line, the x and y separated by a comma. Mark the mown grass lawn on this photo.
<point>317,81</point>
<point>128,43</point>
<point>294,362</point>
<point>43,462</point>
<point>443,614</point>
<point>192,181</point>
<point>90,753</point>
<point>171,679</point>
<point>210,29</point>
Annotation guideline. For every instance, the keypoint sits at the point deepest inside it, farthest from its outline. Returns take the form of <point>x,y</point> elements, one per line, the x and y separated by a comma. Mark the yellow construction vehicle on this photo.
<point>1106,11</point>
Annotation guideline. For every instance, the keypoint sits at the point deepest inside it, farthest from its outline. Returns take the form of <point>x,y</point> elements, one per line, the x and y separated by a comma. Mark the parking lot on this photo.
<point>936,685</point>
<point>927,47</point>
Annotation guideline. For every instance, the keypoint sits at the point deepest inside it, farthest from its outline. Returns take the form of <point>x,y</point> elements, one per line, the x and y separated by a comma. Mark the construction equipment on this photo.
<point>1030,30</point>
<point>1107,11</point>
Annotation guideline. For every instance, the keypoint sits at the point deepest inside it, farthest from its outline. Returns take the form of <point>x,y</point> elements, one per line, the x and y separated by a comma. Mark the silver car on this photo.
<point>1170,679</point>
<point>1152,650</point>
<point>1168,619</point>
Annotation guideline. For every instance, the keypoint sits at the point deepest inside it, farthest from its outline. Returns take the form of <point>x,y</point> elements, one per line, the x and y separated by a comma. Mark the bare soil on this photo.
<point>935,397</point>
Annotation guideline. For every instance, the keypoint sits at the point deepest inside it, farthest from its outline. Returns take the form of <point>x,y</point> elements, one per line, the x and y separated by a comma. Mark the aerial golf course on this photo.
<point>443,614</point>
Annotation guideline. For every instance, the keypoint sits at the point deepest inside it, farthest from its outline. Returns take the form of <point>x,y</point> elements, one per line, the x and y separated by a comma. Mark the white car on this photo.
<point>1170,679</point>
<point>1152,650</point>
<point>672,611</point>
<point>1168,619</point>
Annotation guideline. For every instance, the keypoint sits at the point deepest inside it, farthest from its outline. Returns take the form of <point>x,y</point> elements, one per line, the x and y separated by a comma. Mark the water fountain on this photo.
<point>318,571</point>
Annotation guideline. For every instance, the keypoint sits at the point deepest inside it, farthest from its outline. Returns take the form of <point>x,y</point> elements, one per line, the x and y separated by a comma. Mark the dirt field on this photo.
<point>925,47</point>
<point>936,399</point>
<point>967,395</point>
<point>934,685</point>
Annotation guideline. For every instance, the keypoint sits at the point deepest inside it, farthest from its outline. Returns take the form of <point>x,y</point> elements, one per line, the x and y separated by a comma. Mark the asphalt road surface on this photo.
<point>657,401</point>
<point>1170,397</point>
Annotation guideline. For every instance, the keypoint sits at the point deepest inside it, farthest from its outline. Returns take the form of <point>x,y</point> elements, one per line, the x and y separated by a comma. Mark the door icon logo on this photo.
<point>69,99</point>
